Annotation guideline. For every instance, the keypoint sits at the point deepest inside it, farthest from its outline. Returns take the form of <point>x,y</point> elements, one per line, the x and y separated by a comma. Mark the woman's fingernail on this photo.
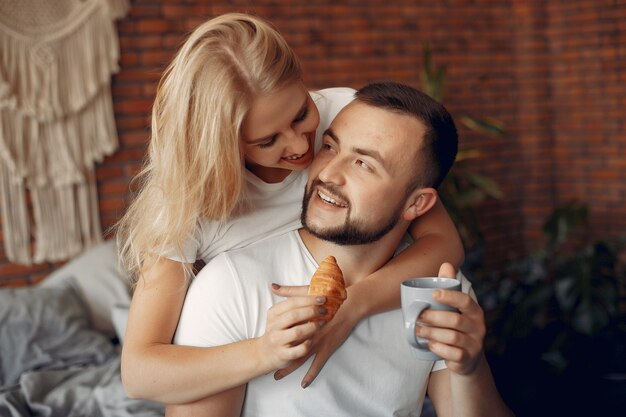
<point>304,384</point>
<point>418,329</point>
<point>322,311</point>
<point>320,299</point>
<point>278,376</point>
<point>275,286</point>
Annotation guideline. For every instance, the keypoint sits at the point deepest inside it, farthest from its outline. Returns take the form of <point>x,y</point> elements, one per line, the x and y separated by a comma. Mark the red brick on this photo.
<point>134,138</point>
<point>15,269</point>
<point>134,106</point>
<point>104,173</point>
<point>156,57</point>
<point>15,282</point>
<point>131,122</point>
<point>141,75</point>
<point>131,170</point>
<point>141,11</point>
<point>132,42</point>
<point>153,25</point>
<point>120,90</point>
<point>125,156</point>
<point>114,188</point>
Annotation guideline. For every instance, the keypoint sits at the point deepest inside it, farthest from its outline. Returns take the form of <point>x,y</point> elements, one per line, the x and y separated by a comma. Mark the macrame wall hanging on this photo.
<point>56,122</point>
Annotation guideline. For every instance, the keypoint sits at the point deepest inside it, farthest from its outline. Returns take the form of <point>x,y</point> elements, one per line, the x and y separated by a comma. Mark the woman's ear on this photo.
<point>419,202</point>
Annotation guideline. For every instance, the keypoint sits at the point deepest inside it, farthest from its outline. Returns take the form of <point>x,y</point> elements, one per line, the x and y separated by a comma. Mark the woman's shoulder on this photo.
<point>330,101</point>
<point>333,93</point>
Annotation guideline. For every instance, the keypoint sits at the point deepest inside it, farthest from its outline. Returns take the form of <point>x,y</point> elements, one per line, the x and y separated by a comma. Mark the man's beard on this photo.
<point>353,231</point>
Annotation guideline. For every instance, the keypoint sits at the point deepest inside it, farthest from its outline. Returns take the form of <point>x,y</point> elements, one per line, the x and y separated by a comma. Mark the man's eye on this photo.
<point>327,147</point>
<point>362,164</point>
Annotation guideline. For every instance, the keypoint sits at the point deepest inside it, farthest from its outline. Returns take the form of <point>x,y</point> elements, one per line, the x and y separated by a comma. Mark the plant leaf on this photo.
<point>487,185</point>
<point>487,125</point>
<point>432,77</point>
<point>466,154</point>
<point>564,220</point>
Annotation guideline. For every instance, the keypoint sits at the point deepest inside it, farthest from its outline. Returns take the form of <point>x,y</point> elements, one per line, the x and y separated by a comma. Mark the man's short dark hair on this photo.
<point>440,139</point>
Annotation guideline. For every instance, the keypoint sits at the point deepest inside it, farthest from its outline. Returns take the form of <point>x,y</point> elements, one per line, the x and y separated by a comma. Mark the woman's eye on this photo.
<point>268,143</point>
<point>301,116</point>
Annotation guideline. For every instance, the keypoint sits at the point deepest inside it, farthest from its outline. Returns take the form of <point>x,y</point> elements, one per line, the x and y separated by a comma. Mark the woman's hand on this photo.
<point>288,330</point>
<point>324,342</point>
<point>455,336</point>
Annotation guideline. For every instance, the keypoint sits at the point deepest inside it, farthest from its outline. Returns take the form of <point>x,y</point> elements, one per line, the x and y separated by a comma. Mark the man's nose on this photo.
<point>333,171</point>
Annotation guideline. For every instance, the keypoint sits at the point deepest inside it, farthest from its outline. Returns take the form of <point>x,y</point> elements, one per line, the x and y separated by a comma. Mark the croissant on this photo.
<point>328,281</point>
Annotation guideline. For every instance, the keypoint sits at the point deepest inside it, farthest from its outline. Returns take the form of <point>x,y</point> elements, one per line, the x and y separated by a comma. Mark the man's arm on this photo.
<point>475,394</point>
<point>466,388</point>
<point>226,404</point>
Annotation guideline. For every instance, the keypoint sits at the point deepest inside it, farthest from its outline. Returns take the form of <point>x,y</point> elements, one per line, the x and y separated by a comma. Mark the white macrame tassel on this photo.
<point>56,122</point>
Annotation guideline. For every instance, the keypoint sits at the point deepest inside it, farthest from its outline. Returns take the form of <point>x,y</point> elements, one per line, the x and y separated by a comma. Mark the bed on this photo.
<point>60,343</point>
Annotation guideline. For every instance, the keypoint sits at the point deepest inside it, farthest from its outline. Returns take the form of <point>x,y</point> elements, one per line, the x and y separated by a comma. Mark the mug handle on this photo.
<point>412,313</point>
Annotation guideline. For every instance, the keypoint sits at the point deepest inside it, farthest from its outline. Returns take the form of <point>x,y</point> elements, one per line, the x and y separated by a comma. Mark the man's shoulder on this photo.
<point>264,247</point>
<point>255,256</point>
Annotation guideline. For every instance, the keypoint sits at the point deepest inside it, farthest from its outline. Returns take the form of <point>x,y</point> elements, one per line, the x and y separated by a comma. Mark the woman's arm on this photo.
<point>436,241</point>
<point>154,369</point>
<point>225,404</point>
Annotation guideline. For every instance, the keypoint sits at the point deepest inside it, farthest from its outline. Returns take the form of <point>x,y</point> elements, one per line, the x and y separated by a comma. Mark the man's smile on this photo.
<point>330,199</point>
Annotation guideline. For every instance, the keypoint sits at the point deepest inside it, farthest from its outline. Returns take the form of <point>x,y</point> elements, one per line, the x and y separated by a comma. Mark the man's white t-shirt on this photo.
<point>271,209</point>
<point>374,373</point>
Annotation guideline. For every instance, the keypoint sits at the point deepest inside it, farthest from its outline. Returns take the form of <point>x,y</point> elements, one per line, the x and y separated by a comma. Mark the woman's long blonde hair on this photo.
<point>195,164</point>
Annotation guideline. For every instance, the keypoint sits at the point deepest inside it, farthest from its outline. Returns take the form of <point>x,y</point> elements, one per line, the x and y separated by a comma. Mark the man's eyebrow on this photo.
<point>372,153</point>
<point>329,132</point>
<point>268,137</point>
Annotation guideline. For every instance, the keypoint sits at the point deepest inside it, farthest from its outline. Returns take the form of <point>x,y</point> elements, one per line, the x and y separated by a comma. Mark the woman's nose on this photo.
<point>298,143</point>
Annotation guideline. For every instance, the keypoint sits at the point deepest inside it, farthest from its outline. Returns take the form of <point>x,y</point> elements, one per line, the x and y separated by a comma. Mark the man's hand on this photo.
<point>288,331</point>
<point>456,337</point>
<point>323,344</point>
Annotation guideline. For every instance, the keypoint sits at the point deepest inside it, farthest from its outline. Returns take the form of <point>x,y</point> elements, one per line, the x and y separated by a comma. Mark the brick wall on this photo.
<point>553,71</point>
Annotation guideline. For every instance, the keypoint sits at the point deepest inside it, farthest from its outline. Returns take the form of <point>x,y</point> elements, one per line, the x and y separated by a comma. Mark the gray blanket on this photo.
<point>93,391</point>
<point>54,363</point>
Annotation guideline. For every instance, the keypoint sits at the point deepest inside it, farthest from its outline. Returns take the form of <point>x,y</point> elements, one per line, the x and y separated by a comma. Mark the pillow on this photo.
<point>119,317</point>
<point>96,276</point>
<point>46,328</point>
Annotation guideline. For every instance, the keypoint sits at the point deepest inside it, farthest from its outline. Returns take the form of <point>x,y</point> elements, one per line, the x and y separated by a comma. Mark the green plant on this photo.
<point>463,189</point>
<point>556,334</point>
<point>563,293</point>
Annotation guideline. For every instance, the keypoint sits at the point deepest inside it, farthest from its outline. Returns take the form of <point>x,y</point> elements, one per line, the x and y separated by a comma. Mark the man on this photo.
<point>382,158</point>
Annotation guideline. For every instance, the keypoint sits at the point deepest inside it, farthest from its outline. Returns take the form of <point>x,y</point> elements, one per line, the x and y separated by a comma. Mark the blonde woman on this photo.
<point>233,131</point>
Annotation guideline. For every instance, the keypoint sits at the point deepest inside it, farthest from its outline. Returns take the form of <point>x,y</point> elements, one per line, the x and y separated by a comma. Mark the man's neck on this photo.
<point>356,261</point>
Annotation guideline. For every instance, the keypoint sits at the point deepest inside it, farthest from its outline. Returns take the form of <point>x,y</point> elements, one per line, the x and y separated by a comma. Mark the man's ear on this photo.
<point>419,202</point>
